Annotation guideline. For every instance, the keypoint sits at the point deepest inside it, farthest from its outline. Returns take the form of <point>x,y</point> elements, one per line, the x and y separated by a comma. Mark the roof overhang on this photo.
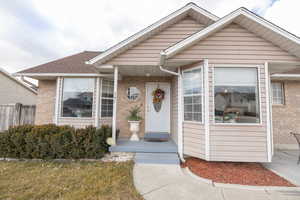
<point>248,20</point>
<point>282,67</point>
<point>284,70</point>
<point>191,8</point>
<point>17,81</point>
<point>290,77</point>
<point>47,76</point>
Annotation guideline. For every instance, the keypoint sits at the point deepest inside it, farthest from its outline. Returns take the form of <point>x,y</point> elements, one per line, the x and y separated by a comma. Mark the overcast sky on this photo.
<point>36,31</point>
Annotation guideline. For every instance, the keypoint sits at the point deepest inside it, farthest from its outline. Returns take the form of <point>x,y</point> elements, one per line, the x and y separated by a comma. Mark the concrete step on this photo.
<point>144,147</point>
<point>152,136</point>
<point>157,158</point>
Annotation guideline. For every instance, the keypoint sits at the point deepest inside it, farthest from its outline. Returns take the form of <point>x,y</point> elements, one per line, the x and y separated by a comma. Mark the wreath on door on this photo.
<point>158,97</point>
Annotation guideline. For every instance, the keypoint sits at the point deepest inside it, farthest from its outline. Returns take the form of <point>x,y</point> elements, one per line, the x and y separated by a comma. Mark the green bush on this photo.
<point>54,142</point>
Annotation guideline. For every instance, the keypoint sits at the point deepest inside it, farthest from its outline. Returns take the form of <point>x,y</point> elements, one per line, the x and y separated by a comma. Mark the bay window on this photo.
<point>77,97</point>
<point>236,97</point>
<point>192,94</point>
<point>107,98</point>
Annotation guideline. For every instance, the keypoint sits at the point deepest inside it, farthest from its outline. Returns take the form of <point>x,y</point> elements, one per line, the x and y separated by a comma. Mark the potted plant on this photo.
<point>134,120</point>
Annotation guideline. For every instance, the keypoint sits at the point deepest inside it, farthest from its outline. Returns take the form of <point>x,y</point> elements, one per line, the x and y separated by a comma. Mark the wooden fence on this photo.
<point>16,114</point>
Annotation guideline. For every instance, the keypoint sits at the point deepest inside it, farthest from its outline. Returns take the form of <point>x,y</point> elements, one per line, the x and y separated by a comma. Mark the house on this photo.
<point>220,101</point>
<point>14,91</point>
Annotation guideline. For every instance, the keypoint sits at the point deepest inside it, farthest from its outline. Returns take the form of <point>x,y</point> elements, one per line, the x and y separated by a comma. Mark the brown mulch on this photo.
<point>235,173</point>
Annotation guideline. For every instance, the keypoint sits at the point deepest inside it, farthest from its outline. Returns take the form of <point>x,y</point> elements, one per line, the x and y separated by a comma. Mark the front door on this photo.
<point>157,119</point>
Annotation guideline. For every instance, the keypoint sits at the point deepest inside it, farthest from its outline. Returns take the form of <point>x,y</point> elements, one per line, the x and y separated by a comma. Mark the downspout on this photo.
<point>29,83</point>
<point>161,64</point>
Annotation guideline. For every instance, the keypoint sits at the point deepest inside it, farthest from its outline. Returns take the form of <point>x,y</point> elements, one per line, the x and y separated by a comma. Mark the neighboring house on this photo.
<point>216,74</point>
<point>14,91</point>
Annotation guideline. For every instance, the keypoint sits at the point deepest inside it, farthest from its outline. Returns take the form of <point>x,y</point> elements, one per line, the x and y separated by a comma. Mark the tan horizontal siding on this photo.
<point>147,52</point>
<point>174,109</point>
<point>193,139</point>
<point>238,142</point>
<point>240,158</point>
<point>234,43</point>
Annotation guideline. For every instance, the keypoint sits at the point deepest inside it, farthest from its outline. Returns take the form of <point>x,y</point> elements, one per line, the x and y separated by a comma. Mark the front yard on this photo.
<point>74,180</point>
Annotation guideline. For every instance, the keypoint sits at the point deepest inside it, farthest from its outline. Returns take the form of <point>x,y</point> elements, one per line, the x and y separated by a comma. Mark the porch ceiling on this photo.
<point>146,70</point>
<point>136,70</point>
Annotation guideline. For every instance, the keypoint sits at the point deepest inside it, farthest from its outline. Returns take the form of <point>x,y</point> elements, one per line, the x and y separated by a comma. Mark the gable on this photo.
<point>190,9</point>
<point>15,92</point>
<point>148,51</point>
<point>10,80</point>
<point>234,44</point>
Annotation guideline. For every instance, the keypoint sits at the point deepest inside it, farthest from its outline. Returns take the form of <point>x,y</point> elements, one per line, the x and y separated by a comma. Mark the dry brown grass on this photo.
<point>70,181</point>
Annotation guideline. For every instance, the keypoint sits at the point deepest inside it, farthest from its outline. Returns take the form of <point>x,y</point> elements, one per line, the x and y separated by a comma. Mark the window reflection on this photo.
<point>77,97</point>
<point>236,95</point>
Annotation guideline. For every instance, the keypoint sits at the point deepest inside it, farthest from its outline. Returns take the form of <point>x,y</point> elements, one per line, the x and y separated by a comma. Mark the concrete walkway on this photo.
<point>162,181</point>
<point>284,163</point>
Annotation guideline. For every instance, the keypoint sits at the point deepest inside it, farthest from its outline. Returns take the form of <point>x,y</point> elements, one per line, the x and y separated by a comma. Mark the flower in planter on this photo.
<point>134,114</point>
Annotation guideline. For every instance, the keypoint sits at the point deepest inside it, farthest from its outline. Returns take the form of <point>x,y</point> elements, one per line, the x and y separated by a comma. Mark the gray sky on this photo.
<point>37,31</point>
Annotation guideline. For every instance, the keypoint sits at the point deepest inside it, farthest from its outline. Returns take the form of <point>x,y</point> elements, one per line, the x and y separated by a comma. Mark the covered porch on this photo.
<point>134,87</point>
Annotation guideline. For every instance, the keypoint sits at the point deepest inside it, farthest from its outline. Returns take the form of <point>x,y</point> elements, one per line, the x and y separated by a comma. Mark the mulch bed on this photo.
<point>235,173</point>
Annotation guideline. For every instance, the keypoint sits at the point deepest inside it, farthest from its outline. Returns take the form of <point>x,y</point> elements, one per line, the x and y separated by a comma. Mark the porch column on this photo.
<point>269,113</point>
<point>206,108</point>
<point>97,102</point>
<point>180,115</point>
<point>114,119</point>
<point>57,100</point>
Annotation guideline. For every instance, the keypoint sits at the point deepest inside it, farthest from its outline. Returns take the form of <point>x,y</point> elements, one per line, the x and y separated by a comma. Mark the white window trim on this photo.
<point>61,100</point>
<point>109,98</point>
<point>282,94</point>
<point>202,95</point>
<point>258,67</point>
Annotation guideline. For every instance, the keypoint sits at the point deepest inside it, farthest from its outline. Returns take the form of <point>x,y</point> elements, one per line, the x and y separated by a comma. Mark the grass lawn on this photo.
<point>74,180</point>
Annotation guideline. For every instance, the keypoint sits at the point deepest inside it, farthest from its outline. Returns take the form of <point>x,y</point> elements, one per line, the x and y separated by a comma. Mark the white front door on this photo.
<point>157,121</point>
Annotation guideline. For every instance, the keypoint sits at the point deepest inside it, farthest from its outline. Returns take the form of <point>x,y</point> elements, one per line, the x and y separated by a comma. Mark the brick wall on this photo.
<point>123,104</point>
<point>45,106</point>
<point>286,118</point>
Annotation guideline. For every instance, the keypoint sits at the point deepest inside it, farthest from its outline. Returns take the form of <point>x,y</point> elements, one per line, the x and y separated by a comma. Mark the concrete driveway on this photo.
<point>163,181</point>
<point>284,163</point>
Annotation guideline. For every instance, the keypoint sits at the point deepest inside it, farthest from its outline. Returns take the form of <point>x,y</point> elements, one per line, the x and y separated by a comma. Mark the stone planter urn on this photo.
<point>134,127</point>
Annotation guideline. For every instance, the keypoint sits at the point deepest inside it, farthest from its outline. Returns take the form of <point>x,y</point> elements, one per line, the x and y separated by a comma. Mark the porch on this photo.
<point>155,149</point>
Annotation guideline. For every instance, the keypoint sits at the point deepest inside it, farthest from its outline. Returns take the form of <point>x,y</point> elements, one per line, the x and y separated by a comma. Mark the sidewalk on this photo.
<point>158,181</point>
<point>284,163</point>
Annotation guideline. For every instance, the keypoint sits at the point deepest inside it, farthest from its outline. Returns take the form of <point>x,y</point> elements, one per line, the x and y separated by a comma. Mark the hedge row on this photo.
<point>54,142</point>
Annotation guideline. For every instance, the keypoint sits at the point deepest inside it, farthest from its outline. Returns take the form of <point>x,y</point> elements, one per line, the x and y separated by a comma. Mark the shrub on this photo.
<point>52,142</point>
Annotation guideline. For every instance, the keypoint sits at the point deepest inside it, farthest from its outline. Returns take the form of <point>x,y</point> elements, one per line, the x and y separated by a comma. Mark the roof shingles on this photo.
<point>70,64</point>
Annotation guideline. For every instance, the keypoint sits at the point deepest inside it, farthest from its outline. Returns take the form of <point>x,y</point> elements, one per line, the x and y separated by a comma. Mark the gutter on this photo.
<point>285,76</point>
<point>29,83</point>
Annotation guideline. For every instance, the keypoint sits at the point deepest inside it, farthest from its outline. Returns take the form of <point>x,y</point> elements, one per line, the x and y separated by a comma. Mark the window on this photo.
<point>133,93</point>
<point>77,97</point>
<point>192,94</point>
<point>107,98</point>
<point>236,95</point>
<point>277,93</point>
